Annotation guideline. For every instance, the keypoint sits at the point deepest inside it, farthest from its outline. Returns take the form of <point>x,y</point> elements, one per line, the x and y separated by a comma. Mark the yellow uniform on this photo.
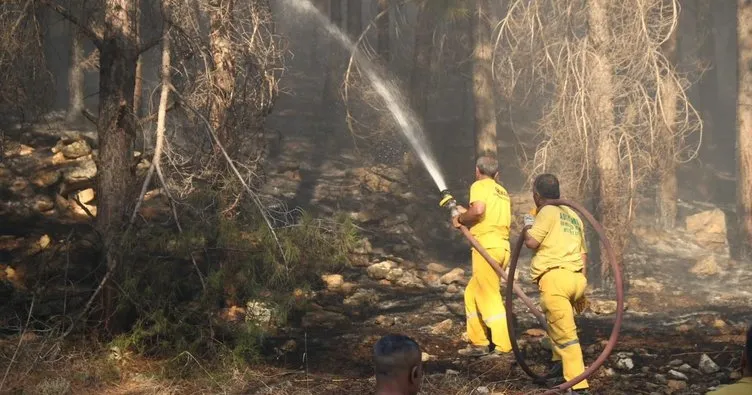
<point>557,268</point>
<point>742,387</point>
<point>483,305</point>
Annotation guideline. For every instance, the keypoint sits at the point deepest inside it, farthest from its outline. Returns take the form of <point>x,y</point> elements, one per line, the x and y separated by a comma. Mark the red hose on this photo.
<point>619,299</point>
<point>497,268</point>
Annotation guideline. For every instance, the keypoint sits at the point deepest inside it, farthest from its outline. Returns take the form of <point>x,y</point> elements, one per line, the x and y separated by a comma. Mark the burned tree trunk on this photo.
<point>115,130</point>
<point>744,127</point>
<point>76,76</point>
<point>609,189</point>
<point>223,73</point>
<point>139,87</point>
<point>668,187</point>
<point>483,93</point>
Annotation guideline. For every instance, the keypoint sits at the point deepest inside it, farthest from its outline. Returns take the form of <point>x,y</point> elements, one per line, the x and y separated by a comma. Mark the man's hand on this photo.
<point>456,219</point>
<point>528,220</point>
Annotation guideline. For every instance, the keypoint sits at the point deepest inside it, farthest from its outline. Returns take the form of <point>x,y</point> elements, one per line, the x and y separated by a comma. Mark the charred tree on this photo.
<point>138,89</point>
<point>483,92</point>
<point>668,186</point>
<point>115,130</point>
<point>601,92</point>
<point>744,126</point>
<point>223,68</point>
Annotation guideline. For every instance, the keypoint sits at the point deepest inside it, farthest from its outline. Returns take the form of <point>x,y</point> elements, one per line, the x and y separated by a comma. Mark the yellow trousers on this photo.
<point>484,308</point>
<point>560,288</point>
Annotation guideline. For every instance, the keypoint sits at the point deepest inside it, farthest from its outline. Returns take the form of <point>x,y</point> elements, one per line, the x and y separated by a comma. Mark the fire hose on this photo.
<point>449,202</point>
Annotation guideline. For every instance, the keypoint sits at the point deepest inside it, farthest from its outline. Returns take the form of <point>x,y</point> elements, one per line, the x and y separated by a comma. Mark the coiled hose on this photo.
<point>512,287</point>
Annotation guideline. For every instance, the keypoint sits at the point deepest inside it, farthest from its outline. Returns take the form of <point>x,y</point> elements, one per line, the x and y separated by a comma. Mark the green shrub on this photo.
<point>174,310</point>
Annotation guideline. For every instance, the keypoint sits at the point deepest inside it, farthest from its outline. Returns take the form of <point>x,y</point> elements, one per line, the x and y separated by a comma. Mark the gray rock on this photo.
<point>625,364</point>
<point>660,378</point>
<point>456,275</point>
<point>442,328</point>
<point>395,274</point>
<point>677,375</point>
<point>83,170</point>
<point>410,280</point>
<point>76,149</point>
<point>437,268</point>
<point>362,297</point>
<point>379,271</point>
<point>44,179</point>
<point>707,365</point>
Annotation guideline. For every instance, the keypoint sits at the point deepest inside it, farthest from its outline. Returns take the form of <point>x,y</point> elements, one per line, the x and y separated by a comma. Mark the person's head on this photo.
<point>486,167</point>
<point>545,187</point>
<point>397,361</point>
<point>747,355</point>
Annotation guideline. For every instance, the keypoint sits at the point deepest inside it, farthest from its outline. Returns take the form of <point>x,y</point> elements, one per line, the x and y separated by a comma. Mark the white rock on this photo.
<point>258,312</point>
<point>677,375</point>
<point>482,390</point>
<point>379,271</point>
<point>625,364</point>
<point>333,281</point>
<point>707,365</point>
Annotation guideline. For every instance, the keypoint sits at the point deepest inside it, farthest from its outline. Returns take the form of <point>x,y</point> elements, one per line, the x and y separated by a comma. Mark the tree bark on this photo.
<point>725,15</point>
<point>76,76</point>
<point>383,34</point>
<point>115,130</point>
<point>223,73</point>
<point>668,187</point>
<point>138,89</point>
<point>606,150</point>
<point>483,93</point>
<point>744,127</point>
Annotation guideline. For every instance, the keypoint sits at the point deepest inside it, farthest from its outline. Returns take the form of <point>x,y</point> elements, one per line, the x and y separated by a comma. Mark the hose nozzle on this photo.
<point>448,201</point>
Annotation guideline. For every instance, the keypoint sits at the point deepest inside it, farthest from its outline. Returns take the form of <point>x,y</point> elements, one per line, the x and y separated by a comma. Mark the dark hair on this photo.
<point>394,353</point>
<point>547,186</point>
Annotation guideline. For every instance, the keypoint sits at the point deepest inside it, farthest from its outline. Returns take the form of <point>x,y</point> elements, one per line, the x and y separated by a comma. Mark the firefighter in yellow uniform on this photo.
<point>557,235</point>
<point>488,217</point>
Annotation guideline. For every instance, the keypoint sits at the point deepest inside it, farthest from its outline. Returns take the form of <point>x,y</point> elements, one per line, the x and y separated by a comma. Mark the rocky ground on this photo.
<point>686,309</point>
